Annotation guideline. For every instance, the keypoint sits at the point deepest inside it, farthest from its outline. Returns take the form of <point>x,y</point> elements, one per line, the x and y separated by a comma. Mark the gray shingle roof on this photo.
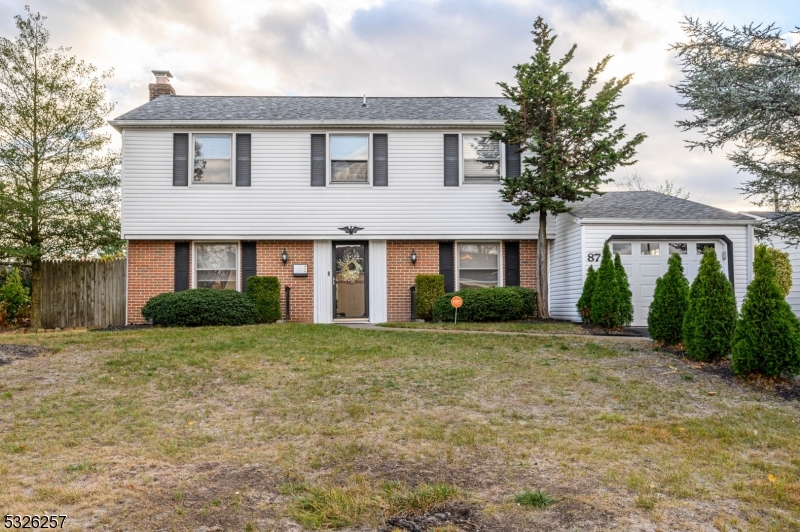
<point>647,205</point>
<point>315,108</point>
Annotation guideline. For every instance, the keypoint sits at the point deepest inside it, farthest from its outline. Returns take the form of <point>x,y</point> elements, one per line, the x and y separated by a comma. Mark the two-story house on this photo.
<point>346,200</point>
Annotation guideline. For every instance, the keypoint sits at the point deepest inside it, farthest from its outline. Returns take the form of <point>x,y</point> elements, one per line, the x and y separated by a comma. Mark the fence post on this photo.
<point>413,291</point>
<point>288,290</point>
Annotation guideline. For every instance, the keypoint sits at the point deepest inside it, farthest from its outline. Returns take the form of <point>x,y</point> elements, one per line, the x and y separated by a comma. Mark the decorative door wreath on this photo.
<point>349,267</point>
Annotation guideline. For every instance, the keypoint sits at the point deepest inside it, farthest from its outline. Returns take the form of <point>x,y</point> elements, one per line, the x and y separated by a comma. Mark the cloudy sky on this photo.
<point>404,48</point>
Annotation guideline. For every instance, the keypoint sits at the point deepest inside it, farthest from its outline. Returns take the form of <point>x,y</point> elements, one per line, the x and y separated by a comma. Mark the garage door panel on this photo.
<point>651,270</point>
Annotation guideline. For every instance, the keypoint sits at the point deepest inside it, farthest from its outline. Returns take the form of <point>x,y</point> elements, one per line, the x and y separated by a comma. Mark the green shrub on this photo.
<point>528,296</point>
<point>200,306</point>
<point>605,296</point>
<point>536,499</point>
<point>482,304</point>
<point>624,294</point>
<point>783,269</point>
<point>265,293</point>
<point>670,301</point>
<point>767,337</point>
<point>710,318</point>
<point>429,289</point>
<point>14,294</point>
<point>585,301</point>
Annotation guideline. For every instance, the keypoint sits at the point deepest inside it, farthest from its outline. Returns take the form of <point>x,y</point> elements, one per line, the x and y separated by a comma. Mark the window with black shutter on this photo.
<point>512,277</point>
<point>451,160</point>
<point>248,262</point>
<point>243,160</point>
<point>318,162</point>
<point>513,161</point>
<point>447,265</point>
<point>380,160</point>
<point>180,160</point>
<point>181,266</point>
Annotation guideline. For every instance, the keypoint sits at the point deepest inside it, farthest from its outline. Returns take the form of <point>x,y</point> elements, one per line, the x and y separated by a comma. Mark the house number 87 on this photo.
<point>593,257</point>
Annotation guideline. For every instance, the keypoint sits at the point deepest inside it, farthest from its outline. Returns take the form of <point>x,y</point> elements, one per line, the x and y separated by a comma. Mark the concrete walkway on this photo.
<point>372,327</point>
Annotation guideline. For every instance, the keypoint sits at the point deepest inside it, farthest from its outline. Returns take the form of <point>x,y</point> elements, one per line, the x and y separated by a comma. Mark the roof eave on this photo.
<point>297,124</point>
<point>638,221</point>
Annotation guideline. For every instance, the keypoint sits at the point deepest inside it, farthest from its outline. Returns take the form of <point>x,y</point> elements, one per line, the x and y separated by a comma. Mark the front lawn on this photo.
<point>542,327</point>
<point>266,427</point>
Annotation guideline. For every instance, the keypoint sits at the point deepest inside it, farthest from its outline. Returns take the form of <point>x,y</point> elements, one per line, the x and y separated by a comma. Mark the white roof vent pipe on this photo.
<point>364,102</point>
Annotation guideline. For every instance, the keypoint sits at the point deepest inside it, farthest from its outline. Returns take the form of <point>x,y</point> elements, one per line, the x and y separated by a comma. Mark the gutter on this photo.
<point>306,124</point>
<point>639,221</point>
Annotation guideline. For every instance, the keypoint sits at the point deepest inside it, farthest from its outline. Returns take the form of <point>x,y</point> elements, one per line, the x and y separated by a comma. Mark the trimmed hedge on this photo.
<point>199,307</point>
<point>430,287</point>
<point>670,301</point>
<point>265,293</point>
<point>767,338</point>
<point>783,269</point>
<point>710,319</point>
<point>486,304</point>
<point>528,296</point>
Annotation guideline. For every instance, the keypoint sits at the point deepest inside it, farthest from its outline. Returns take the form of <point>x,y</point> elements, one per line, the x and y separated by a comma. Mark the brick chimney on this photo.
<point>162,85</point>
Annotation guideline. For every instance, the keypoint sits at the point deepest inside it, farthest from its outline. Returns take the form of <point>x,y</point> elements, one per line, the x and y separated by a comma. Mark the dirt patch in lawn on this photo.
<point>12,352</point>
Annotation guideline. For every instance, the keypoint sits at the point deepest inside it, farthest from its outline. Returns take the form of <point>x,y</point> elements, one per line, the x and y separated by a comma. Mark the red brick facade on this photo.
<point>268,262</point>
<point>401,273</point>
<point>151,271</point>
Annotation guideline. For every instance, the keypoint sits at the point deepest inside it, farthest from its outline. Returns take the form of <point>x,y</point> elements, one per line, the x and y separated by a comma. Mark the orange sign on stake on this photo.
<point>456,302</point>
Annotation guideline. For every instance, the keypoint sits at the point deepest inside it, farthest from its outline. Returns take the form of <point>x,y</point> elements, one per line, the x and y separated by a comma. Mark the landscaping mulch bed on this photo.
<point>788,389</point>
<point>11,352</point>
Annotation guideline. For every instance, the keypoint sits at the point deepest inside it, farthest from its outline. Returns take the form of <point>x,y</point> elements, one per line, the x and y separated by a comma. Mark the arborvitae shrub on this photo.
<point>265,293</point>
<point>528,296</point>
<point>783,269</point>
<point>585,301</point>
<point>200,306</point>
<point>710,319</point>
<point>767,338</point>
<point>482,304</point>
<point>429,289</point>
<point>14,294</point>
<point>605,296</point>
<point>670,301</point>
<point>624,293</point>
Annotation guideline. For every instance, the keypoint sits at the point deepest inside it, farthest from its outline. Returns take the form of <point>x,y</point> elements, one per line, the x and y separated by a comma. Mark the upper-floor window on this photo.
<point>212,158</point>
<point>481,158</point>
<point>349,158</point>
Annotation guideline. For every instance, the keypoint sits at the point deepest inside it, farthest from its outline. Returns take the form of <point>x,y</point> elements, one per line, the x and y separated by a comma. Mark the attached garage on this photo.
<point>644,228</point>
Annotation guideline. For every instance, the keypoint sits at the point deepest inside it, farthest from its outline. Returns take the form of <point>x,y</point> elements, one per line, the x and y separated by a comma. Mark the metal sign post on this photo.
<point>456,302</point>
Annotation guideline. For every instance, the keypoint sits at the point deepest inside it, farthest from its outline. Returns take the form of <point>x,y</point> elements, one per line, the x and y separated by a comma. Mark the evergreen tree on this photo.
<point>783,269</point>
<point>605,297</point>
<point>585,301</point>
<point>710,319</point>
<point>670,301</point>
<point>767,339</point>
<point>624,294</point>
<point>567,136</point>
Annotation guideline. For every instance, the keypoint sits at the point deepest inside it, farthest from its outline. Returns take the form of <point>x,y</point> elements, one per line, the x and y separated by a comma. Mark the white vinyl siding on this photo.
<point>323,282</point>
<point>378,311</point>
<point>280,203</point>
<point>566,274</point>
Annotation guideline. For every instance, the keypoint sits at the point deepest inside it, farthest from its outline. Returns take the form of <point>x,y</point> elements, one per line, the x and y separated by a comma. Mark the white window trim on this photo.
<point>238,260</point>
<point>499,243</point>
<point>329,159</point>
<point>462,177</point>
<point>232,135</point>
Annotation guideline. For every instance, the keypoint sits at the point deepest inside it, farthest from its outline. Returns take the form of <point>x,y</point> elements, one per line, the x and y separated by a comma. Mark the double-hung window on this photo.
<point>481,159</point>
<point>478,264</point>
<point>216,265</point>
<point>349,158</point>
<point>212,158</point>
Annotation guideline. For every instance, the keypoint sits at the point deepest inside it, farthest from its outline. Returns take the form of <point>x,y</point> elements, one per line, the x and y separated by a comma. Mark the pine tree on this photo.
<point>767,339</point>
<point>710,319</point>
<point>605,297</point>
<point>670,301</point>
<point>585,301</point>
<point>624,294</point>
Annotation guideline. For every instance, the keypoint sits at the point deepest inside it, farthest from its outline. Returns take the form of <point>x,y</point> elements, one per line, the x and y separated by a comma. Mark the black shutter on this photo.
<point>512,264</point>
<point>318,160</point>
<point>447,266</point>
<point>243,160</point>
<point>180,160</point>
<point>380,160</point>
<point>513,161</point>
<point>181,266</point>
<point>451,160</point>
<point>248,262</point>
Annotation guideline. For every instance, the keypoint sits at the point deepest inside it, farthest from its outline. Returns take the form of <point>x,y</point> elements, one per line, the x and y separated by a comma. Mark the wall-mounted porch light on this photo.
<point>284,257</point>
<point>413,257</point>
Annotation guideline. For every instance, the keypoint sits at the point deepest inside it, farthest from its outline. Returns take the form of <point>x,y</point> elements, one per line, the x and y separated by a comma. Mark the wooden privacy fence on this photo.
<point>83,293</point>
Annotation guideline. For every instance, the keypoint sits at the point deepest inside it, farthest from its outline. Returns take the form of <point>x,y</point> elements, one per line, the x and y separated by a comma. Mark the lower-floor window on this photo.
<point>478,264</point>
<point>216,265</point>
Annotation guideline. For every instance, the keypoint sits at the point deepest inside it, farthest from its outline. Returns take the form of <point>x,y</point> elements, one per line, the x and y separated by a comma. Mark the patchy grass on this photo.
<point>542,327</point>
<point>267,427</point>
<point>534,499</point>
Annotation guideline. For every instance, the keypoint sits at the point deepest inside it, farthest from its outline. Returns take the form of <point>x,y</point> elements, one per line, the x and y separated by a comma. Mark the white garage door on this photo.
<point>646,260</point>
